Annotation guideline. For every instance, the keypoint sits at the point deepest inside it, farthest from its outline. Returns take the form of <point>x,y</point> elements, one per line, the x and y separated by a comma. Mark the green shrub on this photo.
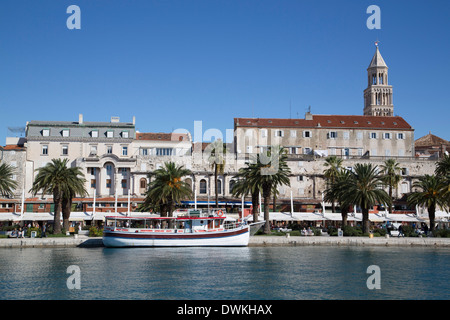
<point>95,232</point>
<point>38,232</point>
<point>379,232</point>
<point>441,233</point>
<point>352,231</point>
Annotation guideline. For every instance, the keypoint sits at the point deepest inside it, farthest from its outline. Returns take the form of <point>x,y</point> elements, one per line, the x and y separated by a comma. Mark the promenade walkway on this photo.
<point>255,241</point>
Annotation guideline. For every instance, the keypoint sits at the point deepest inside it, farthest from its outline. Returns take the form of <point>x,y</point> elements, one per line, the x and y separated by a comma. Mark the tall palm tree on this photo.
<point>391,175</point>
<point>443,170</point>
<point>364,189</point>
<point>269,172</point>
<point>7,184</point>
<point>334,165</point>
<point>336,191</point>
<point>430,193</point>
<point>245,186</point>
<point>167,189</point>
<point>217,160</point>
<point>57,179</point>
<point>75,187</point>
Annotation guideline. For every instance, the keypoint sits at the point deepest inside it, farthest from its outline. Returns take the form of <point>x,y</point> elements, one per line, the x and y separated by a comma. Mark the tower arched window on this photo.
<point>203,186</point>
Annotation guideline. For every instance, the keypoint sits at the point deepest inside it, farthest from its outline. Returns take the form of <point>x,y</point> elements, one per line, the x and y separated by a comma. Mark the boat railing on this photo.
<point>232,225</point>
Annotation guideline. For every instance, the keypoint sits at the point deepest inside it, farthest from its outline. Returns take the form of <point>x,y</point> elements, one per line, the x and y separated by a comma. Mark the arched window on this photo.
<point>189,182</point>
<point>231,185</point>
<point>203,186</point>
<point>219,186</point>
<point>143,183</point>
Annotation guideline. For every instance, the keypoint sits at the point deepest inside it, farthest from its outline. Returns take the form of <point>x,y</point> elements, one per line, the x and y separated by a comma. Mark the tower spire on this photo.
<point>378,94</point>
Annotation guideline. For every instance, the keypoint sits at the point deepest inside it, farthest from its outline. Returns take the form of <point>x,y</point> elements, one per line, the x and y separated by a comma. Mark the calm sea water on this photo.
<point>275,273</point>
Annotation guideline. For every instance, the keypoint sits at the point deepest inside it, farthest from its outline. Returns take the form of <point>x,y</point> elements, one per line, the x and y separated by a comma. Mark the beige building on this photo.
<point>324,135</point>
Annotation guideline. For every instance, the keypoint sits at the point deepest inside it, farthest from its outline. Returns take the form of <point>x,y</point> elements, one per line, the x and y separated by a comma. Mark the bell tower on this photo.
<point>378,94</point>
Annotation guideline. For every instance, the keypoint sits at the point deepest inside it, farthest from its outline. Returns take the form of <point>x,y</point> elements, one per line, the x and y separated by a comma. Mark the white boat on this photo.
<point>180,231</point>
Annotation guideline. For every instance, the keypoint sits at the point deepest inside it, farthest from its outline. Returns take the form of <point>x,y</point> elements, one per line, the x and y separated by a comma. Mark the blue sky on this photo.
<point>170,63</point>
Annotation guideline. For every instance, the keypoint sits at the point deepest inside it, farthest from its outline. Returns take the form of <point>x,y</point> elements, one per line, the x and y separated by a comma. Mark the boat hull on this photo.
<point>228,238</point>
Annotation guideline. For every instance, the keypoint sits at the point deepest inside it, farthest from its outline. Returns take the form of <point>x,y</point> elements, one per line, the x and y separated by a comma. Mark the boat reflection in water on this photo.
<point>192,229</point>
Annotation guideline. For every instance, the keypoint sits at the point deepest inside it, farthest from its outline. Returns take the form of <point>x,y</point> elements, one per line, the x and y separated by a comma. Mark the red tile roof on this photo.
<point>12,147</point>
<point>161,136</point>
<point>327,121</point>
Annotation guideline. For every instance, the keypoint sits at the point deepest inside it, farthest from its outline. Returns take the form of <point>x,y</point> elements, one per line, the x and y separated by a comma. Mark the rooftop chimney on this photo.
<point>80,118</point>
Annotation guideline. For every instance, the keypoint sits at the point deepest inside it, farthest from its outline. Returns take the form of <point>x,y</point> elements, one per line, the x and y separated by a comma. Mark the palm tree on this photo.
<point>443,166</point>
<point>217,159</point>
<point>244,186</point>
<point>443,170</point>
<point>430,194</point>
<point>75,186</point>
<point>364,189</point>
<point>334,165</point>
<point>62,182</point>
<point>391,176</point>
<point>7,184</point>
<point>269,172</point>
<point>336,191</point>
<point>167,189</point>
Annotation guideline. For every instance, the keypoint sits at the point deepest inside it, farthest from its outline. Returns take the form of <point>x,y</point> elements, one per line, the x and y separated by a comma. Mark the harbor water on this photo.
<point>244,273</point>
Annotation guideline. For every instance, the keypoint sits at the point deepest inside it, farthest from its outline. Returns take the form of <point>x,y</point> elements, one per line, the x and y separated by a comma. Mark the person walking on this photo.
<point>400,231</point>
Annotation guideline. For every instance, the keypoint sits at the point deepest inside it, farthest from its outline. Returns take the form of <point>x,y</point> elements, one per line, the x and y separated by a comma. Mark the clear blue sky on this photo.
<point>170,63</point>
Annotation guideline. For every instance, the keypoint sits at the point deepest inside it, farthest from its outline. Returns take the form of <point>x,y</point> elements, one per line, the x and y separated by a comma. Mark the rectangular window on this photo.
<point>65,150</point>
<point>124,183</point>
<point>110,134</point>
<point>144,152</point>
<point>125,134</point>
<point>386,135</point>
<point>124,171</point>
<point>93,183</point>
<point>46,132</point>
<point>400,136</point>
<point>94,133</point>
<point>359,135</point>
<point>306,150</point>
<point>108,183</point>
<point>332,135</point>
<point>109,169</point>
<point>373,135</point>
<point>293,133</point>
<point>44,150</point>
<point>93,171</point>
<point>124,151</point>
<point>109,149</point>
<point>279,133</point>
<point>65,132</point>
<point>299,178</point>
<point>306,134</point>
<point>263,133</point>
<point>93,150</point>
<point>293,150</point>
<point>163,151</point>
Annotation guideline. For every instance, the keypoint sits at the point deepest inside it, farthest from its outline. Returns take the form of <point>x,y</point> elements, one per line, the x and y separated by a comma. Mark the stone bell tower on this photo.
<point>378,95</point>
